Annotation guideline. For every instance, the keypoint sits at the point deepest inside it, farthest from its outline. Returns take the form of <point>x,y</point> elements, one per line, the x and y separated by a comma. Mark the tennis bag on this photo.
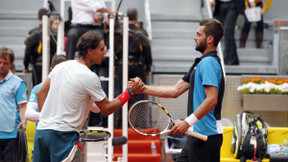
<point>246,127</point>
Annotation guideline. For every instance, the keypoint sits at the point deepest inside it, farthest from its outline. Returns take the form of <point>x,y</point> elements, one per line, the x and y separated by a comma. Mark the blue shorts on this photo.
<point>52,145</point>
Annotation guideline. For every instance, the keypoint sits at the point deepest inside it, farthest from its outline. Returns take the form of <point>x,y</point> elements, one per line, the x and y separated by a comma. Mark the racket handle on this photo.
<point>197,135</point>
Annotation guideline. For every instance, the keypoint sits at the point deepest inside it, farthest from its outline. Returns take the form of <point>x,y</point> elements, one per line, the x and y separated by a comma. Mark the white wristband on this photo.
<point>192,119</point>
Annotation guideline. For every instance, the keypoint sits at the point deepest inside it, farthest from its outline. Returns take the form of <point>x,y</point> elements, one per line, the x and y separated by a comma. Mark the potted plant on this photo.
<point>264,94</point>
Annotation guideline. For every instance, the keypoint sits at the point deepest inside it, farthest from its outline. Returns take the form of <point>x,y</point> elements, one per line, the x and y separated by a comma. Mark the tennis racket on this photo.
<point>94,135</point>
<point>151,119</point>
<point>86,136</point>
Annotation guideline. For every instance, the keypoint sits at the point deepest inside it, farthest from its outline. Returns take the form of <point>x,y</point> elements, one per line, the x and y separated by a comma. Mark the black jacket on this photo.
<point>33,51</point>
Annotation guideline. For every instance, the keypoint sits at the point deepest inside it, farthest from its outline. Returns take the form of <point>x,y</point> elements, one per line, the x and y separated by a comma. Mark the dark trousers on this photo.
<point>197,150</point>
<point>247,24</point>
<point>8,150</point>
<point>228,17</point>
<point>74,34</point>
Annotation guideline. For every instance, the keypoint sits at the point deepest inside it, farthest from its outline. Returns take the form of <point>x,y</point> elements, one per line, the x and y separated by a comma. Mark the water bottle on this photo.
<point>153,148</point>
<point>119,159</point>
<point>285,146</point>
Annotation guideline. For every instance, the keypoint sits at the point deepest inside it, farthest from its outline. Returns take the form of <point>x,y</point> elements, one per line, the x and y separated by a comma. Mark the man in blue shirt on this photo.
<point>205,83</point>
<point>12,108</point>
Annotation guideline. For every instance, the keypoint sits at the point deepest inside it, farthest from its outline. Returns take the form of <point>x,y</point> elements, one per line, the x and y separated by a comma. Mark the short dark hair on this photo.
<point>41,12</point>
<point>4,51</point>
<point>90,39</point>
<point>214,28</point>
<point>132,13</point>
<point>57,59</point>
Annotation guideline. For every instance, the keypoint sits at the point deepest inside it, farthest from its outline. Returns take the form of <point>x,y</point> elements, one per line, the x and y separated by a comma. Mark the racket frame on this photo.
<point>106,134</point>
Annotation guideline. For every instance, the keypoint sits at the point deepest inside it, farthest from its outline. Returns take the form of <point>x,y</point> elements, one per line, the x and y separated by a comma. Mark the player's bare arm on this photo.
<point>42,93</point>
<point>167,91</point>
<point>22,109</point>
<point>206,106</point>
<point>107,107</point>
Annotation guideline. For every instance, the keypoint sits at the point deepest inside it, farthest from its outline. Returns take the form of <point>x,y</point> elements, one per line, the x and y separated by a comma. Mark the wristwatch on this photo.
<point>131,92</point>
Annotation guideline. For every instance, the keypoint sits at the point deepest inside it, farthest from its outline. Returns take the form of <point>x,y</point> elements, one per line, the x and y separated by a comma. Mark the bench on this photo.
<point>276,135</point>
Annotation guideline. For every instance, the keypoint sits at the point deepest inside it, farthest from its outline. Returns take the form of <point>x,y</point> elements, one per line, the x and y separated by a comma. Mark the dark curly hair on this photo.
<point>90,39</point>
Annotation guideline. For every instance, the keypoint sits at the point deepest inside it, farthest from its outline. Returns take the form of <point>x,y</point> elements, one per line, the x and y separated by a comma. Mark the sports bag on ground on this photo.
<point>249,137</point>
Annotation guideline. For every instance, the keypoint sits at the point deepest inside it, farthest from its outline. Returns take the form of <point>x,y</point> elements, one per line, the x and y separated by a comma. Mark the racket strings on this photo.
<point>146,115</point>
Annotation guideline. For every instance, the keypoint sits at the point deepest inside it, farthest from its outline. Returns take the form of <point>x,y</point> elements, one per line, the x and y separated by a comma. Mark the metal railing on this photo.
<point>148,19</point>
<point>219,45</point>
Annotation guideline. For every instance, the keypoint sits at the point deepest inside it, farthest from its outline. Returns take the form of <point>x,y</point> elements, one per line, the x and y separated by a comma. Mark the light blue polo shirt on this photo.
<point>12,93</point>
<point>208,73</point>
